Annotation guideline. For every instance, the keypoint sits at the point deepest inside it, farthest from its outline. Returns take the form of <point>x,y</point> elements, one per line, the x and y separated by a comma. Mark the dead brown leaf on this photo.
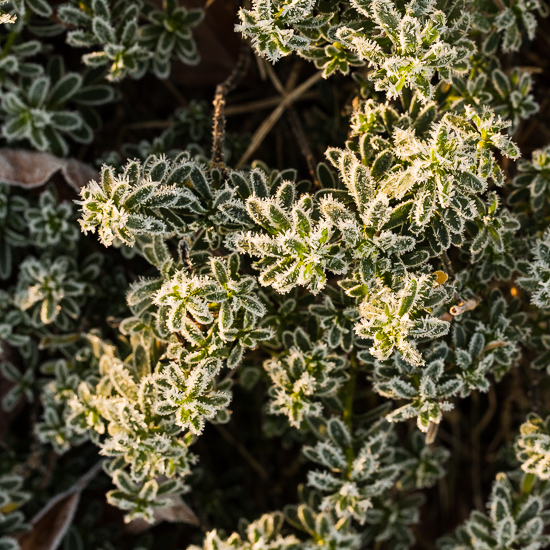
<point>51,523</point>
<point>176,512</point>
<point>32,169</point>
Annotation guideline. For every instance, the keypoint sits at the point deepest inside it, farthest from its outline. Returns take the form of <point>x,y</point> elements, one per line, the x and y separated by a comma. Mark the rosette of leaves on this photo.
<point>507,93</point>
<point>533,446</point>
<point>12,520</point>
<point>51,223</point>
<point>185,300</point>
<point>537,279</point>
<point>293,247</point>
<point>512,99</point>
<point>187,305</point>
<point>337,316</point>
<point>192,121</point>
<point>141,500</point>
<point>514,519</point>
<point>422,464</point>
<point>472,91</point>
<point>47,109</point>
<point>506,23</point>
<point>302,376</point>
<point>392,320</point>
<point>23,384</point>
<point>50,289</point>
<point>533,181</point>
<point>426,390</point>
<point>358,469</point>
<point>54,428</point>
<point>13,231</point>
<point>123,206</point>
<point>112,31</point>
<point>262,534</point>
<point>190,393</point>
<point>169,36</point>
<point>494,246</point>
<point>504,328</point>
<point>82,353</point>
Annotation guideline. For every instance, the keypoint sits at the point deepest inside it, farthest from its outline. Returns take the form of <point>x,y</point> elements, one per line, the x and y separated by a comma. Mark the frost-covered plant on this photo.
<point>513,98</point>
<point>12,227</point>
<point>302,376</point>
<point>263,533</point>
<point>404,45</point>
<point>6,17</point>
<point>12,520</point>
<point>514,519</point>
<point>49,288</point>
<point>322,313</point>
<point>46,110</point>
<point>534,178</point>
<point>533,446</point>
<point>506,23</point>
<point>355,476</point>
<point>124,44</point>
<point>169,36</point>
<point>477,350</point>
<point>537,280</point>
<point>50,223</point>
<point>121,409</point>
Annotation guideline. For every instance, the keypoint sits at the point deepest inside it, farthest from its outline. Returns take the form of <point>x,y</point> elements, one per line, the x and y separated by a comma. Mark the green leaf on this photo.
<point>64,89</point>
<point>41,7</point>
<point>409,297</point>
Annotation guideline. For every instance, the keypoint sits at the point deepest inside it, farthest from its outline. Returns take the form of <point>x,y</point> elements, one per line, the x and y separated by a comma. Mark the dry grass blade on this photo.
<point>270,121</point>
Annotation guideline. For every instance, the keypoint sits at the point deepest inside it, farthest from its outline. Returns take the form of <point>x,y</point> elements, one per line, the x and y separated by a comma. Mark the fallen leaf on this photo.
<point>176,512</point>
<point>50,525</point>
<point>32,169</point>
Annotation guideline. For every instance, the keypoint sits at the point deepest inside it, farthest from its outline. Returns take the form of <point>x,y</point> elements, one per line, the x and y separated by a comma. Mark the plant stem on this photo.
<point>218,132</point>
<point>348,404</point>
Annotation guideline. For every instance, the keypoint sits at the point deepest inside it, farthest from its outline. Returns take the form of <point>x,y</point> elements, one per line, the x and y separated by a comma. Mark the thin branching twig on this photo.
<point>270,121</point>
<point>218,132</point>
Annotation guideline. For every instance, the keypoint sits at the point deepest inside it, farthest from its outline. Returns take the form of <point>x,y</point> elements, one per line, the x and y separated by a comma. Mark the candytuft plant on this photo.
<point>319,328</point>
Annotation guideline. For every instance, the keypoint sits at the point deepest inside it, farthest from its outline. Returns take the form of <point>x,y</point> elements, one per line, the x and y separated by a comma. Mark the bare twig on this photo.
<point>243,451</point>
<point>258,105</point>
<point>149,124</point>
<point>476,460</point>
<point>218,133</point>
<point>170,86</point>
<point>303,142</point>
<point>274,78</point>
<point>293,117</point>
<point>270,121</point>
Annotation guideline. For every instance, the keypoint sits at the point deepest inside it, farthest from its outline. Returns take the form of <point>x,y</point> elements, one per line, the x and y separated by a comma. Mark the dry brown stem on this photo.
<point>218,133</point>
